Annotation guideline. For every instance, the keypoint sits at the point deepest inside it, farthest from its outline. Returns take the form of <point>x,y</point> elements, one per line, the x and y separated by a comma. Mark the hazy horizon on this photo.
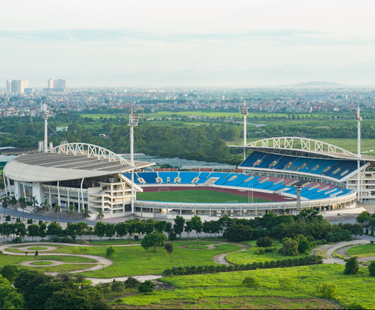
<point>187,43</point>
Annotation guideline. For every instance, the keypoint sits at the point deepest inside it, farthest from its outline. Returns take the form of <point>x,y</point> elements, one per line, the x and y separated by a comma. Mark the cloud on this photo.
<point>288,37</point>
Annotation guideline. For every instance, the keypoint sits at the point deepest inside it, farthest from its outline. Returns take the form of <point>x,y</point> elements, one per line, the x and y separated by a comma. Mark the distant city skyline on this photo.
<point>208,43</point>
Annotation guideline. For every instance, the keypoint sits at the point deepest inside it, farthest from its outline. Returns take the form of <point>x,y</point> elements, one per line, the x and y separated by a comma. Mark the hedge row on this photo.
<point>290,262</point>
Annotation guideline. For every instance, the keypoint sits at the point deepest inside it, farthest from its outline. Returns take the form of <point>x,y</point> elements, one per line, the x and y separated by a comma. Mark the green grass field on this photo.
<point>203,196</point>
<point>364,250</point>
<point>210,287</point>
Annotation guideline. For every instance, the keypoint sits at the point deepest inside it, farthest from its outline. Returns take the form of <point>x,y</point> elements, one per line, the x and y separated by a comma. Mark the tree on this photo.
<point>22,202</point>
<point>81,228</point>
<point>149,228</point>
<point>363,217</point>
<point>178,226</point>
<point>110,252</point>
<point>327,290</point>
<point>5,202</point>
<point>351,266</point>
<point>238,232</point>
<point>188,227</point>
<point>13,202</point>
<point>250,282</point>
<point>9,272</point>
<point>57,210</point>
<point>100,214</point>
<point>168,228</point>
<point>197,224</point>
<point>120,229</point>
<point>131,283</point>
<point>33,230</point>
<point>110,230</point>
<point>86,213</point>
<point>70,212</point>
<point>160,226</point>
<point>71,230</point>
<point>42,230</point>
<point>154,239</point>
<point>117,286</point>
<point>45,206</point>
<point>357,229</point>
<point>264,242</point>
<point>290,246</point>
<point>54,229</point>
<point>146,287</point>
<point>304,246</point>
<point>371,269</point>
<point>100,229</point>
<point>169,247</point>
<point>34,203</point>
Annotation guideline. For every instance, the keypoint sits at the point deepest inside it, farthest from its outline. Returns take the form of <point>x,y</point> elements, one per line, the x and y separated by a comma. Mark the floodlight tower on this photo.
<point>358,118</point>
<point>244,112</point>
<point>133,121</point>
<point>45,114</point>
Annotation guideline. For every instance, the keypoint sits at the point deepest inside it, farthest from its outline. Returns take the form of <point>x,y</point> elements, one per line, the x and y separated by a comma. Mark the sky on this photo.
<point>178,42</point>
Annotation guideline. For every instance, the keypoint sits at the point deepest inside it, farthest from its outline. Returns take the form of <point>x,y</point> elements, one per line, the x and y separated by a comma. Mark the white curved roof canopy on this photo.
<point>304,145</point>
<point>68,162</point>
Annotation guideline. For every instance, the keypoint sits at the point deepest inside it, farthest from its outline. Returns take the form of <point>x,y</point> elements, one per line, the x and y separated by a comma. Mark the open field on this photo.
<point>198,288</point>
<point>249,256</point>
<point>204,196</point>
<point>364,250</point>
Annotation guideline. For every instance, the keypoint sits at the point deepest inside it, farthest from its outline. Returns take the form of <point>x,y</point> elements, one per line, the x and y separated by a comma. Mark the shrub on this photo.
<point>136,237</point>
<point>117,286</point>
<point>17,240</point>
<point>80,278</point>
<point>354,305</point>
<point>29,221</point>
<point>7,218</point>
<point>40,222</point>
<point>290,247</point>
<point>327,290</point>
<point>250,282</point>
<point>55,239</point>
<point>284,282</point>
<point>172,236</point>
<point>131,282</point>
<point>351,266</point>
<point>371,269</point>
<point>146,287</point>
<point>169,247</point>
<point>259,232</point>
<point>65,239</point>
<point>260,251</point>
<point>264,242</point>
<point>268,250</point>
<point>238,232</point>
<point>304,246</point>
<point>372,241</point>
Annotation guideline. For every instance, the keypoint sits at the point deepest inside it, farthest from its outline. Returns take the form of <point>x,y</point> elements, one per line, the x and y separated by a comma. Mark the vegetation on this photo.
<point>351,266</point>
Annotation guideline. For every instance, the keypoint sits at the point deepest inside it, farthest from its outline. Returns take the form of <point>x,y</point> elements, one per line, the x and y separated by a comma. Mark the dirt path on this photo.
<point>222,258</point>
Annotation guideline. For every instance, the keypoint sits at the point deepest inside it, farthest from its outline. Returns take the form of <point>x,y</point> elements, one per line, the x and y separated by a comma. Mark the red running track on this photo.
<point>265,196</point>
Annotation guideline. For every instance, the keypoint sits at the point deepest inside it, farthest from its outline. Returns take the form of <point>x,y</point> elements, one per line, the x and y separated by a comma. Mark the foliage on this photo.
<point>187,270</point>
<point>327,290</point>
<point>264,242</point>
<point>154,240</point>
<point>363,217</point>
<point>351,266</point>
<point>100,229</point>
<point>304,246</point>
<point>250,282</point>
<point>131,282</point>
<point>110,252</point>
<point>117,286</point>
<point>371,269</point>
<point>238,232</point>
<point>169,247</point>
<point>146,287</point>
<point>290,247</point>
<point>9,272</point>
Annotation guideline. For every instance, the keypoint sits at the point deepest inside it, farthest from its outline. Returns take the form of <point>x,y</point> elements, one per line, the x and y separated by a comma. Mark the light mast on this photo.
<point>244,112</point>
<point>358,118</point>
<point>45,115</point>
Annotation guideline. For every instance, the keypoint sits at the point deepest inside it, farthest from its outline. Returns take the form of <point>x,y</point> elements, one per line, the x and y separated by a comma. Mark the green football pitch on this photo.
<point>205,196</point>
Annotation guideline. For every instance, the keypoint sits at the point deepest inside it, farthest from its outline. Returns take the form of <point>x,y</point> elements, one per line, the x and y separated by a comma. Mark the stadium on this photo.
<point>282,175</point>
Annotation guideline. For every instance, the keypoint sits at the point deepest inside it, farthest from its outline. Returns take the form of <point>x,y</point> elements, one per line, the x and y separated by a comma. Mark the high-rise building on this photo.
<point>51,83</point>
<point>16,86</point>
<point>59,83</point>
<point>9,86</point>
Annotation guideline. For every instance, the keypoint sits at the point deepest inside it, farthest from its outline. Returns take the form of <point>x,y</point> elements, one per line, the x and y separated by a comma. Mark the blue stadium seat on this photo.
<point>168,174</point>
<point>283,161</point>
<point>311,164</point>
<point>254,156</point>
<point>149,177</point>
<point>237,181</point>
<point>268,160</point>
<point>323,166</point>
<point>187,177</point>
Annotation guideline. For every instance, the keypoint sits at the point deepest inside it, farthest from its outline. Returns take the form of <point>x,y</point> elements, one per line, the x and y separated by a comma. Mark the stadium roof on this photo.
<point>68,162</point>
<point>298,146</point>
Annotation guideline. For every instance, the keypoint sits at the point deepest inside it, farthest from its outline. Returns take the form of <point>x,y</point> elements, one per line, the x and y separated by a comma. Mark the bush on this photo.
<point>65,239</point>
<point>327,290</point>
<point>40,222</point>
<point>259,233</point>
<point>264,242</point>
<point>371,269</point>
<point>172,236</point>
<point>238,232</point>
<point>131,283</point>
<point>169,247</point>
<point>17,240</point>
<point>136,237</point>
<point>260,251</point>
<point>55,239</point>
<point>304,246</point>
<point>290,247</point>
<point>268,250</point>
<point>29,221</point>
<point>250,282</point>
<point>284,282</point>
<point>372,241</point>
<point>351,266</point>
<point>146,287</point>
